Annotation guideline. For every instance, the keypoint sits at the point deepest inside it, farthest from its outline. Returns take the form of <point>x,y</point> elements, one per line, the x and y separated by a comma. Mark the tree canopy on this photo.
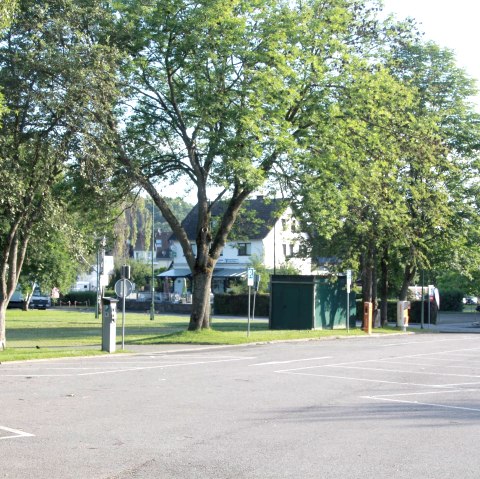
<point>55,78</point>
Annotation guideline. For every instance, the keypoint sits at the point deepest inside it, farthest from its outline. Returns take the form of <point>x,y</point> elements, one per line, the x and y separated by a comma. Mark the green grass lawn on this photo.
<point>58,333</point>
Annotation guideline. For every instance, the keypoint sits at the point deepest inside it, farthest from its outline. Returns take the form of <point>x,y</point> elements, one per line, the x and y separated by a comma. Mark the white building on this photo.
<point>88,281</point>
<point>265,229</point>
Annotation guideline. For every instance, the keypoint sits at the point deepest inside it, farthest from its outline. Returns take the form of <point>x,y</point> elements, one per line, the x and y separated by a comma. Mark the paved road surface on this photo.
<point>389,407</point>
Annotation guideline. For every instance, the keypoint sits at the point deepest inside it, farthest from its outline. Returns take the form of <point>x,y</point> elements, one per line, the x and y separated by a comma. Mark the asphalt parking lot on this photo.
<point>395,406</point>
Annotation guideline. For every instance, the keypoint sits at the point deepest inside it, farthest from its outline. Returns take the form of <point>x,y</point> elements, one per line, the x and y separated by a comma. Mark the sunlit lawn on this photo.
<point>40,334</point>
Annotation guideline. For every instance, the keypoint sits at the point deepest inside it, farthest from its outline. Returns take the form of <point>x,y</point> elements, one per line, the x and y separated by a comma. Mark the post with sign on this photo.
<point>123,288</point>
<point>250,283</point>
<point>255,291</point>
<point>349,282</point>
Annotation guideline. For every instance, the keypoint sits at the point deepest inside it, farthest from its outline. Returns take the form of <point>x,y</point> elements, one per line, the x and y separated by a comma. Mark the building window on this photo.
<point>244,249</point>
<point>288,250</point>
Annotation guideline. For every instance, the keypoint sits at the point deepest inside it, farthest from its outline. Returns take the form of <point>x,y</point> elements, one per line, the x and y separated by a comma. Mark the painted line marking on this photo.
<point>429,341</point>
<point>425,365</point>
<point>440,386</point>
<point>123,370</point>
<point>417,403</point>
<point>408,372</point>
<point>15,433</point>
<point>291,361</point>
<point>423,393</point>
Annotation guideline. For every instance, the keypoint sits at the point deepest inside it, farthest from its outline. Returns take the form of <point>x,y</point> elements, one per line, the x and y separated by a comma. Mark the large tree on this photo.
<point>440,188</point>
<point>219,93</point>
<point>400,191</point>
<point>54,74</point>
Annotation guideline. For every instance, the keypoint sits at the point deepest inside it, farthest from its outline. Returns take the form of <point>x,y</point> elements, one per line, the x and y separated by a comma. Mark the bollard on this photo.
<point>367,317</point>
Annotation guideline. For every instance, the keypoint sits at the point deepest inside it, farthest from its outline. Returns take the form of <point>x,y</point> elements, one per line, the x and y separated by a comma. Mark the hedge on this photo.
<point>89,297</point>
<point>451,300</point>
<point>237,304</point>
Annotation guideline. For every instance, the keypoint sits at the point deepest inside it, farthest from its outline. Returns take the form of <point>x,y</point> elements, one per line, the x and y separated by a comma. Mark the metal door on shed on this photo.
<point>291,306</point>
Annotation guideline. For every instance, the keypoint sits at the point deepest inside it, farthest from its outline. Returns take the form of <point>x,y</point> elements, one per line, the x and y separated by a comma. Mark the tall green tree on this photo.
<point>55,77</point>
<point>440,189</point>
<point>399,192</point>
<point>220,94</point>
<point>7,9</point>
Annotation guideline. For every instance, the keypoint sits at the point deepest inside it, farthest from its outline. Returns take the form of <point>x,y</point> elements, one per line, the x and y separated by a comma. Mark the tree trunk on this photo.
<point>376,309</point>
<point>3,314</point>
<point>200,317</point>
<point>408,277</point>
<point>384,287</point>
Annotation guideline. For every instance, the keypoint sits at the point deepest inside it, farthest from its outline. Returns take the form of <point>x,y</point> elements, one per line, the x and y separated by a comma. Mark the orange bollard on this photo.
<point>367,317</point>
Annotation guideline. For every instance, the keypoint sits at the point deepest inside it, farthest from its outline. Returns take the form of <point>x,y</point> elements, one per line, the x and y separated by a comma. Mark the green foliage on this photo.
<point>140,273</point>
<point>7,10</point>
<point>395,179</point>
<point>133,228</point>
<point>89,297</point>
<point>237,304</point>
<point>56,79</point>
<point>451,299</point>
<point>468,282</point>
<point>256,262</point>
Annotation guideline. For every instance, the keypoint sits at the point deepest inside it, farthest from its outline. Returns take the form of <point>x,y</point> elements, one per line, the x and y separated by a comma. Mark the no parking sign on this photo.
<point>250,276</point>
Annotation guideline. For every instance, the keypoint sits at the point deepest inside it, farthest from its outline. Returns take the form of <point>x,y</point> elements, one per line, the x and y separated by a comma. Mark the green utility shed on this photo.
<point>310,302</point>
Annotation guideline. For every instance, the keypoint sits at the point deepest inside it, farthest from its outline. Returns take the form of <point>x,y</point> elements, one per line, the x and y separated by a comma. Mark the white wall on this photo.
<point>270,248</point>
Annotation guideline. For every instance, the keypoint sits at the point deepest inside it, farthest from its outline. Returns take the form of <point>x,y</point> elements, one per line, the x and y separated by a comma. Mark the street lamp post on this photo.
<point>152,287</point>
<point>100,266</point>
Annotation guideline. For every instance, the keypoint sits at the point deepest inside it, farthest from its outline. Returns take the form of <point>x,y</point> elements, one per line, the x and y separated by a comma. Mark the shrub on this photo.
<point>451,300</point>
<point>237,304</point>
<point>80,297</point>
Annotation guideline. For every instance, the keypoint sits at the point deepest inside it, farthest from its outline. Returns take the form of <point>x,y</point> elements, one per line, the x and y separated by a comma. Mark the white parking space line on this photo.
<point>291,361</point>
<point>417,403</point>
<point>14,433</point>
<point>426,365</point>
<point>441,360</point>
<point>426,373</point>
<point>428,341</point>
<point>380,381</point>
<point>423,393</point>
<point>129,369</point>
<point>413,365</point>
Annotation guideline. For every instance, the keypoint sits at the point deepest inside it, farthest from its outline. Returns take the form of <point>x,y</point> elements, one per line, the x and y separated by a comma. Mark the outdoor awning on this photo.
<point>217,273</point>
<point>229,272</point>
<point>175,273</point>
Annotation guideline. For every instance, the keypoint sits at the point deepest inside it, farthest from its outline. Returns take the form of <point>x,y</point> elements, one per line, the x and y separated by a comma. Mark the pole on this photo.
<point>98,282</point>
<point>124,293</point>
<point>348,282</point>
<point>348,311</point>
<point>274,250</point>
<point>152,288</point>
<point>429,306</point>
<point>248,324</point>
<point>422,315</point>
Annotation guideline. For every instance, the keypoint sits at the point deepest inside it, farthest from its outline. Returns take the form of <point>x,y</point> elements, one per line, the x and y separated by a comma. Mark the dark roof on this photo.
<point>254,221</point>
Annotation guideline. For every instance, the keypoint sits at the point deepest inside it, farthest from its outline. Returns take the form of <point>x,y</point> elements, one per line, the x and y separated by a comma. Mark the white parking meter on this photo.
<point>402,314</point>
<point>109,324</point>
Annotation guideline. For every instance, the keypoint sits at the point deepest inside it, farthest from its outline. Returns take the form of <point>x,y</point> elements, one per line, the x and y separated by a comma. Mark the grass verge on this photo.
<point>62,333</point>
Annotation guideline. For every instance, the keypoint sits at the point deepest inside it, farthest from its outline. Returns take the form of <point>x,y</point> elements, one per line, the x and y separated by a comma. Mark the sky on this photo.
<point>449,23</point>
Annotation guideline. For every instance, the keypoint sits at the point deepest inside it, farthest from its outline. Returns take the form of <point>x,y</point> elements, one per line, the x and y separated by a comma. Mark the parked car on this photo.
<point>470,300</point>
<point>40,300</point>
